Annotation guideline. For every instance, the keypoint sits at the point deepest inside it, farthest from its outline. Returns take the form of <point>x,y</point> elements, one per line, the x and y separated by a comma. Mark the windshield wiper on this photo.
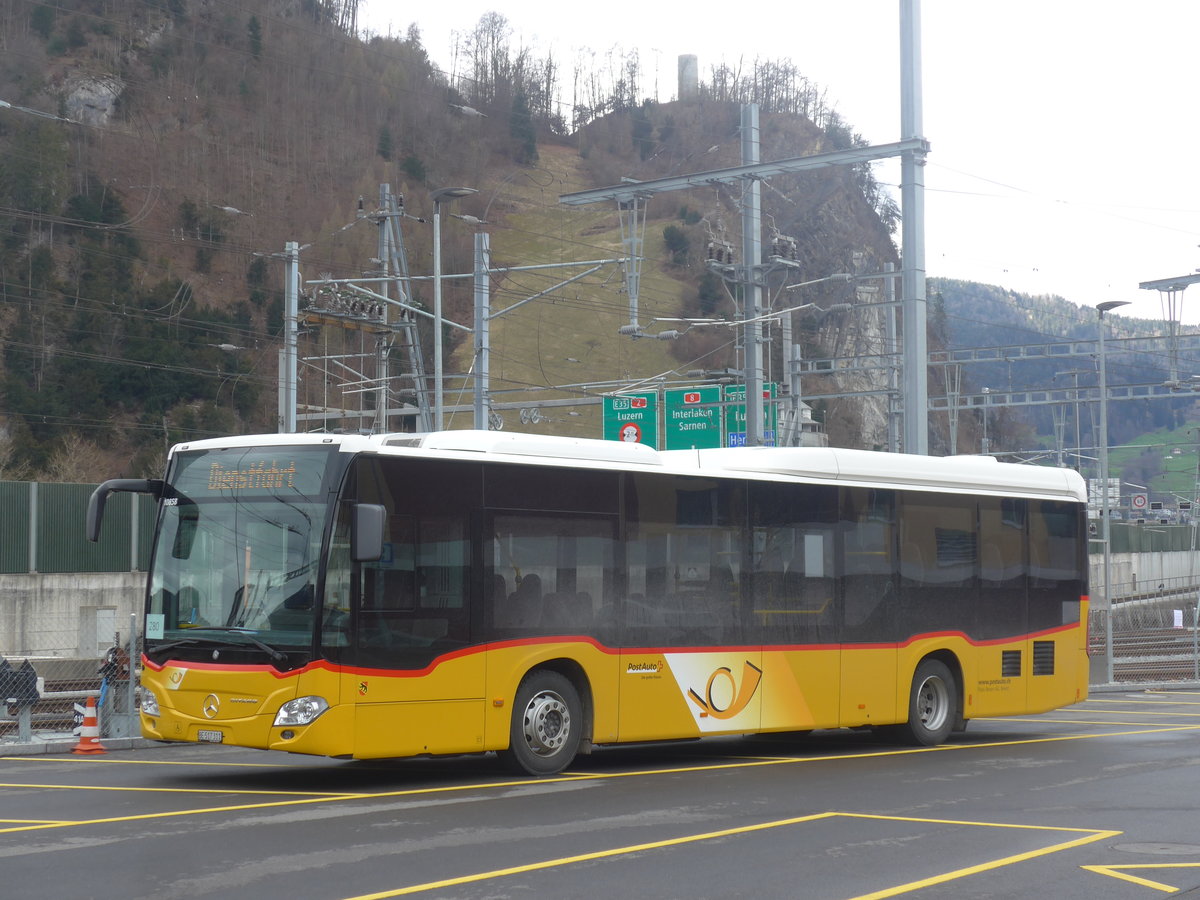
<point>189,642</point>
<point>274,655</point>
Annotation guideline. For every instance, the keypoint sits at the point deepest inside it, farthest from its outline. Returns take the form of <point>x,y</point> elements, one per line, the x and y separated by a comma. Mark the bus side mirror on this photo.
<point>95,510</point>
<point>366,532</point>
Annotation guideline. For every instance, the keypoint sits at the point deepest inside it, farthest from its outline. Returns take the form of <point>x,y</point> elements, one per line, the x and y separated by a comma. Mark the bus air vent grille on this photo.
<point>1010,664</point>
<point>1043,657</point>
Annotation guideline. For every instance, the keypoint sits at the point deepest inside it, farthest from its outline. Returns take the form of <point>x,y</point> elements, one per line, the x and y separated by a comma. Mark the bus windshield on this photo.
<point>239,545</point>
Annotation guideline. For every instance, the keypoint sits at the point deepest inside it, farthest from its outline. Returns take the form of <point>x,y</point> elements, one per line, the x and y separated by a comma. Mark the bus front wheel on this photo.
<point>547,724</point>
<point>932,705</point>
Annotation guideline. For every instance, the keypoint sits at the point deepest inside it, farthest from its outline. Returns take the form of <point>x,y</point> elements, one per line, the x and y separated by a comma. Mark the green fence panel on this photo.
<point>1129,537</point>
<point>14,525</point>
<point>147,509</point>
<point>62,543</point>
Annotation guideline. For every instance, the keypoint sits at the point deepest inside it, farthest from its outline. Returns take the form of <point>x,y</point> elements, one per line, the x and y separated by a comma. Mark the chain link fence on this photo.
<point>43,696</point>
<point>1155,637</point>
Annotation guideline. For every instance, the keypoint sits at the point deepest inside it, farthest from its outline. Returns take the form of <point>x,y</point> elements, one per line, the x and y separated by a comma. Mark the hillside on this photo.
<point>156,155</point>
<point>977,315</point>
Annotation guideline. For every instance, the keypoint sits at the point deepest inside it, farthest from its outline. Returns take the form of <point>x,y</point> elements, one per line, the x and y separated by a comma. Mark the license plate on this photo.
<point>212,737</point>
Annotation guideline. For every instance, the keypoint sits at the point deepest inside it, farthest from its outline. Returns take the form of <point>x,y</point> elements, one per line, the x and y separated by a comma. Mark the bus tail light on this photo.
<point>301,711</point>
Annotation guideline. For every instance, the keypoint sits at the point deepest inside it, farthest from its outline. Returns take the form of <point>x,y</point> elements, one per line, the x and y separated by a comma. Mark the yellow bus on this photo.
<point>456,592</point>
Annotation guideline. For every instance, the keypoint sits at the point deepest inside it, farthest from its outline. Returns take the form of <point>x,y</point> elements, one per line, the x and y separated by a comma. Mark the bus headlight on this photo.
<point>150,704</point>
<point>301,711</point>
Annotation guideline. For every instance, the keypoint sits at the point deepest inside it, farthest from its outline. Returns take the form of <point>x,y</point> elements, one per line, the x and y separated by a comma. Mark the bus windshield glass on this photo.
<point>239,546</point>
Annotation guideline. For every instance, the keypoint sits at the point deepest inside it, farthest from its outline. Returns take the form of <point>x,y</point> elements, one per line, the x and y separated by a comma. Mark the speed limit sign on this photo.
<point>1138,501</point>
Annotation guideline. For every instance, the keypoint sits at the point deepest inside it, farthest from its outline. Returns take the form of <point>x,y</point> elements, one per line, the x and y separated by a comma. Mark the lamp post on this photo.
<point>1105,529</point>
<point>986,446</point>
<point>446,193</point>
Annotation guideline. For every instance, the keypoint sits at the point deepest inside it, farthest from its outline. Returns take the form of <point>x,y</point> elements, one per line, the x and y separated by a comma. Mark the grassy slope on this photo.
<point>533,347</point>
<point>1179,473</point>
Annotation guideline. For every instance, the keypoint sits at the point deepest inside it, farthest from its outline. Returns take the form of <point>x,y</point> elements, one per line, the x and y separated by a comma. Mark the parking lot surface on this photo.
<point>1097,800</point>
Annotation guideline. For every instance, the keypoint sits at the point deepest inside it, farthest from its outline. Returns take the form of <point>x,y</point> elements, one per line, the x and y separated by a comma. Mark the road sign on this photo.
<point>735,416</point>
<point>692,418</point>
<point>632,418</point>
<point>1138,501</point>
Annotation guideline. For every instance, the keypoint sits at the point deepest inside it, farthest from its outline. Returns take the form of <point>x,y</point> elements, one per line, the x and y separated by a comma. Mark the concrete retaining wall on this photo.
<point>67,615</point>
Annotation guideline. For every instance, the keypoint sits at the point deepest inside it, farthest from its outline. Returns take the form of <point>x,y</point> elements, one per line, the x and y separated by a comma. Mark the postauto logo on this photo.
<point>741,694</point>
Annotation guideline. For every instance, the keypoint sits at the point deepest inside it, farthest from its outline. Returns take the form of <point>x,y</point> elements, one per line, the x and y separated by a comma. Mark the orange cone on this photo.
<point>89,734</point>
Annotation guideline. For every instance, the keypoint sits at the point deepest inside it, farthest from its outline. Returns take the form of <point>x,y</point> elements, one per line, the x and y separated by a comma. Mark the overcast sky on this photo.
<point>1064,133</point>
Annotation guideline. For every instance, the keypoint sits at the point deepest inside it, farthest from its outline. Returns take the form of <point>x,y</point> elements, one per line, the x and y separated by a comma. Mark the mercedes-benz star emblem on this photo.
<point>211,706</point>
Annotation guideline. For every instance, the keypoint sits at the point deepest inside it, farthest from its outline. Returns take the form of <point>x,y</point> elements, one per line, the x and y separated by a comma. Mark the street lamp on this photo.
<point>1106,527</point>
<point>986,445</point>
<point>446,193</point>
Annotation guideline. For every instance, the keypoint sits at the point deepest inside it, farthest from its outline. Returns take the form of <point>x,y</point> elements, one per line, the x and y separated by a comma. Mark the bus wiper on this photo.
<point>188,642</point>
<point>272,653</point>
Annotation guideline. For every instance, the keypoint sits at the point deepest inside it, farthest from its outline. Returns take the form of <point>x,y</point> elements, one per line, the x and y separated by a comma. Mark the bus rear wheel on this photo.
<point>932,705</point>
<point>547,724</point>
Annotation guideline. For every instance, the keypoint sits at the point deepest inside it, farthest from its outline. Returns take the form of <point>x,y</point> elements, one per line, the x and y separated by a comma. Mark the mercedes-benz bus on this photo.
<point>466,591</point>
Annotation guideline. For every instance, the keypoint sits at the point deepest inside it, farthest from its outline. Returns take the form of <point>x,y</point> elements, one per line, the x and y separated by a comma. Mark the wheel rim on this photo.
<point>547,723</point>
<point>933,703</point>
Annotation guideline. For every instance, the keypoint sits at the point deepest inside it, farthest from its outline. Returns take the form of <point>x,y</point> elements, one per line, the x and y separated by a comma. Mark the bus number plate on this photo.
<point>212,737</point>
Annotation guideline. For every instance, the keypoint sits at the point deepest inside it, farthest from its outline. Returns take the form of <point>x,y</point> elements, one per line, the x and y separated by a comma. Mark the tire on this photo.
<point>932,705</point>
<point>547,724</point>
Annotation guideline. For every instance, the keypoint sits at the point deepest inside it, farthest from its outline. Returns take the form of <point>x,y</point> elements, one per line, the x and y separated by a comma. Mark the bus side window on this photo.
<point>868,581</point>
<point>559,564</point>
<point>335,619</point>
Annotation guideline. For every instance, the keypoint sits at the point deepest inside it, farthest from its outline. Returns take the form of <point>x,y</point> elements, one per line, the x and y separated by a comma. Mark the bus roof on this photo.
<point>812,464</point>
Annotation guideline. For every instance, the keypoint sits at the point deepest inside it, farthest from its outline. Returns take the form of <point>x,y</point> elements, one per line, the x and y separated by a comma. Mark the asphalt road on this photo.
<point>1096,801</point>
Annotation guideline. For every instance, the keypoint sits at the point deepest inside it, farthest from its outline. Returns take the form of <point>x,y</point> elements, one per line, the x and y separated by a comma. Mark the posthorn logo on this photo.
<point>723,697</point>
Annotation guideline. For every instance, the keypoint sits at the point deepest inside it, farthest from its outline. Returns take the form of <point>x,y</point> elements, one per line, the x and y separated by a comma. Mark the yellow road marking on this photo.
<point>1090,835</point>
<point>35,822</point>
<point>986,867</point>
<point>142,817</point>
<point>305,799</point>
<point>141,762</point>
<point>1149,712</point>
<point>1113,872</point>
<point>1145,700</point>
<point>1083,721</point>
<point>151,790</point>
<point>587,857</point>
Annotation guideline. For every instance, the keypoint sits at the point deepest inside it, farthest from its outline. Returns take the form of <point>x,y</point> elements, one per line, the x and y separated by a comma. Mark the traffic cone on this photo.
<point>89,734</point>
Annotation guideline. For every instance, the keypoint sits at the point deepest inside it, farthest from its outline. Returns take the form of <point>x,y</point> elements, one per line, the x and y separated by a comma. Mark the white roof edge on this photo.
<point>463,441</point>
<point>548,446</point>
<point>949,473</point>
<point>946,473</point>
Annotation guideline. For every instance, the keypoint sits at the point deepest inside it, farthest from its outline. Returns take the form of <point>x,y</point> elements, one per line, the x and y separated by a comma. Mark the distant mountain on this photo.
<point>975,315</point>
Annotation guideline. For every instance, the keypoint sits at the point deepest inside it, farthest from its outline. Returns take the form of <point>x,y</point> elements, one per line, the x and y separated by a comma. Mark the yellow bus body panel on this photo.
<point>464,702</point>
<point>436,710</point>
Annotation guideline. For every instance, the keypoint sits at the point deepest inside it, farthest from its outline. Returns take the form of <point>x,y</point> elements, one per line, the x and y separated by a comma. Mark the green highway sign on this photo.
<point>632,418</point>
<point>735,416</point>
<point>692,418</point>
